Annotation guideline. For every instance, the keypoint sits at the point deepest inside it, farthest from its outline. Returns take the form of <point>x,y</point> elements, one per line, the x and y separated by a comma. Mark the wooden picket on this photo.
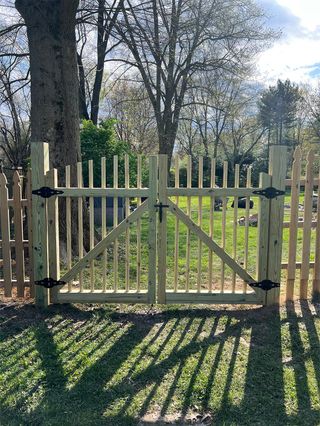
<point>294,216</point>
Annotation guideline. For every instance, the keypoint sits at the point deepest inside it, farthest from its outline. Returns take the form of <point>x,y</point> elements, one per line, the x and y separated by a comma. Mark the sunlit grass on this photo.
<point>129,365</point>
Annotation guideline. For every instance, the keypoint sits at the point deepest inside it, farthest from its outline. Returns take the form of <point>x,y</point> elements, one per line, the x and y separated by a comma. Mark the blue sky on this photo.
<point>296,55</point>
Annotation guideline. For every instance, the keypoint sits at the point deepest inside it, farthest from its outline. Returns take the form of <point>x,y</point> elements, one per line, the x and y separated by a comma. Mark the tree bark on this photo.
<point>54,87</point>
<point>54,83</point>
<point>83,109</point>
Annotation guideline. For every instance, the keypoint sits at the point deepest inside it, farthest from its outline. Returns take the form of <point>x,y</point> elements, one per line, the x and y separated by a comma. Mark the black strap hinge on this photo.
<point>265,285</point>
<point>46,192</point>
<point>49,282</point>
<point>161,206</point>
<point>269,192</point>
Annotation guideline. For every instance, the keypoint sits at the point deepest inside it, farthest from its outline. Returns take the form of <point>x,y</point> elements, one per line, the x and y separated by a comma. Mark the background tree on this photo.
<point>278,112</point>
<point>311,103</point>
<point>101,141</point>
<point>95,18</point>
<point>170,41</point>
<point>14,113</point>
<point>128,103</point>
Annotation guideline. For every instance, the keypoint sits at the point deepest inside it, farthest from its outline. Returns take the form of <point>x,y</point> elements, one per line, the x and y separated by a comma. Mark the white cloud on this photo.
<point>307,10</point>
<point>297,54</point>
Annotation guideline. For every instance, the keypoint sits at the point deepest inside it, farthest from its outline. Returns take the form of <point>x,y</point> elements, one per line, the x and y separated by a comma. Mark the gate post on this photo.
<point>152,234</point>
<point>263,235</point>
<point>277,170</point>
<point>40,166</point>
<point>162,234</point>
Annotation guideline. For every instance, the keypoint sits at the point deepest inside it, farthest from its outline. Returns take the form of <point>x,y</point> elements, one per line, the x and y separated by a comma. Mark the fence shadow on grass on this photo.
<point>101,366</point>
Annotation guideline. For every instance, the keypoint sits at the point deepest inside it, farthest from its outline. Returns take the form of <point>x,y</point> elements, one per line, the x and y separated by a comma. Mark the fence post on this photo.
<point>40,166</point>
<point>277,170</point>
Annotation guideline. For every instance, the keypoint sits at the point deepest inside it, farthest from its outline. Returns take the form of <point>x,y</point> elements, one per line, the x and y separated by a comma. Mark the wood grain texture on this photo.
<point>152,231</point>
<point>162,228</point>
<point>40,166</point>
<point>307,219</point>
<point>18,233</point>
<point>5,232</point>
<point>53,234</point>
<point>293,226</point>
<point>277,169</point>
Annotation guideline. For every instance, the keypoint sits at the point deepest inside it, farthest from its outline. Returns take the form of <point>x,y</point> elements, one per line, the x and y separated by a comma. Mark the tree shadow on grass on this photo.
<point>104,367</point>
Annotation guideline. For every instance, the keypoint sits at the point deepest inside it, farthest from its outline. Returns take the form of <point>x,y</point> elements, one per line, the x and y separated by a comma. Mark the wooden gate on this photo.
<point>158,200</point>
<point>77,280</point>
<point>261,287</point>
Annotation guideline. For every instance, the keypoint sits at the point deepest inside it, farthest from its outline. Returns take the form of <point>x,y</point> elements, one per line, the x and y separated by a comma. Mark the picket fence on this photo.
<point>304,232</point>
<point>301,227</point>
<point>16,254</point>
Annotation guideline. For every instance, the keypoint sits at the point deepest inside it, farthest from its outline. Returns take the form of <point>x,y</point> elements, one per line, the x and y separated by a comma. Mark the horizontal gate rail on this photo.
<point>211,192</point>
<point>206,297</point>
<point>108,296</point>
<point>103,192</point>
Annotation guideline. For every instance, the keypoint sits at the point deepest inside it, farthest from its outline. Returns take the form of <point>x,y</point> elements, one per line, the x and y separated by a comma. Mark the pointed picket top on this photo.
<point>310,156</point>
<point>297,153</point>
<point>16,178</point>
<point>3,181</point>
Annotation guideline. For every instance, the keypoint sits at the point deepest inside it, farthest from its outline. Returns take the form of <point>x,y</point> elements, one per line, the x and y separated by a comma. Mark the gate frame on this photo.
<point>46,229</point>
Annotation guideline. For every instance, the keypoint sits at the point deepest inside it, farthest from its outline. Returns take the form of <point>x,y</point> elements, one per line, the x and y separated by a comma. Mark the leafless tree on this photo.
<point>311,102</point>
<point>14,87</point>
<point>95,23</point>
<point>14,113</point>
<point>129,104</point>
<point>171,40</point>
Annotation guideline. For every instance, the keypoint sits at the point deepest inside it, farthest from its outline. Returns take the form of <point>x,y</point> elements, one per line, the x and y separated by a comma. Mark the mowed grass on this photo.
<point>136,365</point>
<point>242,250</point>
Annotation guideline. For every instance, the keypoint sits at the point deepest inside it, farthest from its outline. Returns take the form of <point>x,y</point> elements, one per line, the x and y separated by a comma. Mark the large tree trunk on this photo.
<point>55,88</point>
<point>54,83</point>
<point>167,132</point>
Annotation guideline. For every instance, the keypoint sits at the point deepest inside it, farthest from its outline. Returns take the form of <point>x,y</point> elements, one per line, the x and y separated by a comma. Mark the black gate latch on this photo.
<point>46,192</point>
<point>265,285</point>
<point>161,206</point>
<point>49,282</point>
<point>269,192</point>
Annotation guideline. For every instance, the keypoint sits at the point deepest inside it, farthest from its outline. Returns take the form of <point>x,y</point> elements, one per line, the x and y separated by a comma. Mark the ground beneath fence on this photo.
<point>136,365</point>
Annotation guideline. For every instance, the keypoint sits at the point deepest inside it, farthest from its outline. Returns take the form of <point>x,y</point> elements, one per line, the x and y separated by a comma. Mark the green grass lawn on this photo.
<point>134,365</point>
